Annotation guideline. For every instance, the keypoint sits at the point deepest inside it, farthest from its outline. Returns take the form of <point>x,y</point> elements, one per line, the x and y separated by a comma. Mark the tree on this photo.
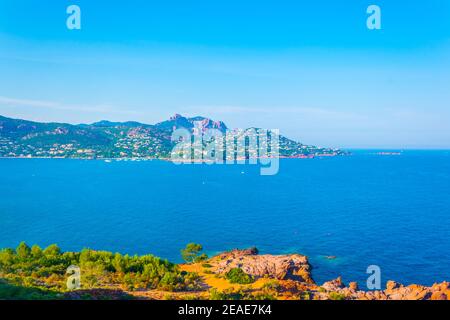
<point>23,250</point>
<point>119,263</point>
<point>191,253</point>
<point>6,258</point>
<point>52,251</point>
<point>36,251</point>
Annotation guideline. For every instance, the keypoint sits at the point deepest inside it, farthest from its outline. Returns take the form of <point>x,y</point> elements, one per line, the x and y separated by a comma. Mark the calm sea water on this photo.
<point>391,211</point>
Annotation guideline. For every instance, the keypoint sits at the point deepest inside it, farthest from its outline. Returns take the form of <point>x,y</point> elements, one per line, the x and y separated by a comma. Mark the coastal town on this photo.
<point>133,140</point>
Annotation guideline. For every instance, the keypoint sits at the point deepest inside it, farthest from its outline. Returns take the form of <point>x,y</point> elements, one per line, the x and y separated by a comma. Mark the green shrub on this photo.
<point>337,296</point>
<point>192,281</point>
<point>170,281</point>
<point>237,275</point>
<point>262,296</point>
<point>305,295</point>
<point>272,285</point>
<point>16,292</point>
<point>225,295</point>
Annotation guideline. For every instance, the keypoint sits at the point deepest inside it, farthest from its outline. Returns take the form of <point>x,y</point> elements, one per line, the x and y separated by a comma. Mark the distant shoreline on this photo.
<point>171,160</point>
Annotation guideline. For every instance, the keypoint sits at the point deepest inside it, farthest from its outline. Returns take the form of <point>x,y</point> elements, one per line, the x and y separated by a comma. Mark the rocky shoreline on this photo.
<point>36,273</point>
<point>293,275</point>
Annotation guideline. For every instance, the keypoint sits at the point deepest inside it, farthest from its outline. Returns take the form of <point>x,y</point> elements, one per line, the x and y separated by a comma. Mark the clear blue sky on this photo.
<point>310,68</point>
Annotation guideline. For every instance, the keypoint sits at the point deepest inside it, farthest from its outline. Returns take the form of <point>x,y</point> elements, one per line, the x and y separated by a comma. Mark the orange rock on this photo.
<point>334,285</point>
<point>353,286</point>
<point>441,286</point>
<point>391,285</point>
<point>439,296</point>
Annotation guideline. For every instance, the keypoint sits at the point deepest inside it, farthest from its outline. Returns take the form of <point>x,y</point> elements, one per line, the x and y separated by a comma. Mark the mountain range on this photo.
<point>106,139</point>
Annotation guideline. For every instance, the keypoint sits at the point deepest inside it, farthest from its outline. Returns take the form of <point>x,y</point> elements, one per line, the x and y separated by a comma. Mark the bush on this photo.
<point>262,296</point>
<point>237,275</point>
<point>337,296</point>
<point>15,292</point>
<point>170,281</point>
<point>192,281</point>
<point>225,295</point>
<point>272,285</point>
<point>305,295</point>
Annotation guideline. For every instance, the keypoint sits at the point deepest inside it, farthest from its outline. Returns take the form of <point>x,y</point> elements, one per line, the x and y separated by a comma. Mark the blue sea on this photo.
<point>365,209</point>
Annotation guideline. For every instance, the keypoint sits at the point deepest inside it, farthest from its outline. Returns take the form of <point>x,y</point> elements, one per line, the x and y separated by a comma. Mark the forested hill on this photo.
<point>105,139</point>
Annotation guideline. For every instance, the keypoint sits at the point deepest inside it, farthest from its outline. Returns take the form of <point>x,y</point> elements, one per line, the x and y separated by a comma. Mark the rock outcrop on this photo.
<point>334,285</point>
<point>393,291</point>
<point>282,267</point>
